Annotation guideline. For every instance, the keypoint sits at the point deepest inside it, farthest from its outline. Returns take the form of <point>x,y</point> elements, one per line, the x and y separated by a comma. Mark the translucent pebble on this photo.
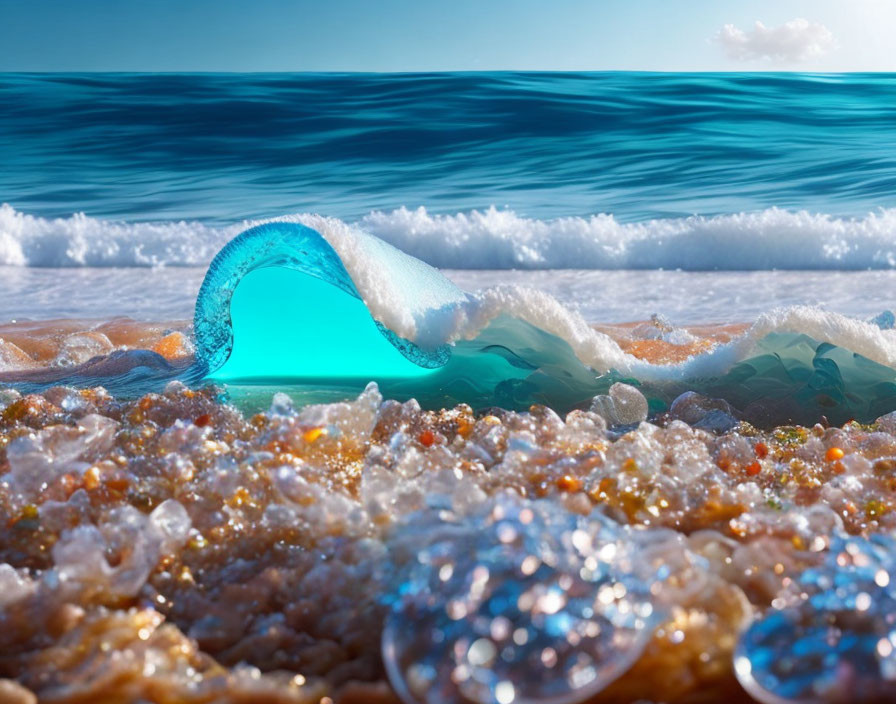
<point>887,423</point>
<point>7,396</point>
<point>171,524</point>
<point>624,405</point>
<point>281,405</point>
<point>38,459</point>
<point>839,645</point>
<point>72,401</point>
<point>183,437</point>
<point>11,692</point>
<point>174,388</point>
<point>661,328</point>
<point>356,419</point>
<point>713,414</point>
<point>79,556</point>
<point>519,600</point>
<point>81,347</point>
<point>14,585</point>
<point>132,540</point>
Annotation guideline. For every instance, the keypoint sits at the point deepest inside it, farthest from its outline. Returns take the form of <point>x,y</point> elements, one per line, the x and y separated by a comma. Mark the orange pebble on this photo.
<point>117,483</point>
<point>569,483</point>
<point>203,420</point>
<point>313,434</point>
<point>171,346</point>
<point>92,478</point>
<point>68,483</point>
<point>761,450</point>
<point>833,454</point>
<point>753,469</point>
<point>426,438</point>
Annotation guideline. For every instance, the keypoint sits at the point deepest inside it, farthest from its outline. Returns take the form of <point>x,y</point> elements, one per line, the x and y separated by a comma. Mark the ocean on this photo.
<point>479,172</point>
<point>221,148</point>
<point>474,387</point>
<point>682,199</point>
<point>491,171</point>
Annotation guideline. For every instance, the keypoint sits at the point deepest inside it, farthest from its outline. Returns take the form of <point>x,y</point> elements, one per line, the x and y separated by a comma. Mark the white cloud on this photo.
<point>794,41</point>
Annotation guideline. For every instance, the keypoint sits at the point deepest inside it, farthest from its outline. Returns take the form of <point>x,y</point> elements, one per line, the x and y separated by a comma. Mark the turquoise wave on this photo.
<point>285,307</point>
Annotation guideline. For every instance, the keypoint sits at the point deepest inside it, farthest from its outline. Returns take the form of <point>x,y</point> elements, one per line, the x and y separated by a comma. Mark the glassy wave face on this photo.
<point>223,148</point>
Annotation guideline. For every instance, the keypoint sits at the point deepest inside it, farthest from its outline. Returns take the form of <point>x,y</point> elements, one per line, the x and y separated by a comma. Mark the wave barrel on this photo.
<point>278,304</point>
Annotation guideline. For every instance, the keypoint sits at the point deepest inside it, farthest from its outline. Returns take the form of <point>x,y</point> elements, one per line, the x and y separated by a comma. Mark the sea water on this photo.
<point>484,172</point>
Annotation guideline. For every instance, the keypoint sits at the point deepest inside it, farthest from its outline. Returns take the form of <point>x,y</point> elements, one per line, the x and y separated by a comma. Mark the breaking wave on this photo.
<point>489,239</point>
<point>509,345</point>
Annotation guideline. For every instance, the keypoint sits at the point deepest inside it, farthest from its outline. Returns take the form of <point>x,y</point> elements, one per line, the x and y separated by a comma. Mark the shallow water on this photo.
<point>685,298</point>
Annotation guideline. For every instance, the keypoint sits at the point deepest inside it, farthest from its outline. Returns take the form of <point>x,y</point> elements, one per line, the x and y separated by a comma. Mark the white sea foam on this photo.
<point>770,239</point>
<point>491,239</point>
<point>82,241</point>
<point>858,336</point>
<point>602,353</point>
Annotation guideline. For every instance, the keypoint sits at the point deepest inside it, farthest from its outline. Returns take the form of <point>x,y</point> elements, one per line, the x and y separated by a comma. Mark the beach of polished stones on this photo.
<point>174,548</point>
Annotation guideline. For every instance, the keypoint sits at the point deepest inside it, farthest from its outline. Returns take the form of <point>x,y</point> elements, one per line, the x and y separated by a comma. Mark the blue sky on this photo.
<point>421,35</point>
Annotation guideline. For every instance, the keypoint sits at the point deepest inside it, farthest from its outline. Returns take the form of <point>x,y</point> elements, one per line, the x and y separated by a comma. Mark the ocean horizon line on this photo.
<point>524,71</point>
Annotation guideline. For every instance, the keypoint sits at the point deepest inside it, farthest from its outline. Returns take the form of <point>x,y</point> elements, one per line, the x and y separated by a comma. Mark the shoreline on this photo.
<point>67,342</point>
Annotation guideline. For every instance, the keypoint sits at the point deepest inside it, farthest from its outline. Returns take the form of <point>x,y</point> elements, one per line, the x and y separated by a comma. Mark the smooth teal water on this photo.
<point>224,147</point>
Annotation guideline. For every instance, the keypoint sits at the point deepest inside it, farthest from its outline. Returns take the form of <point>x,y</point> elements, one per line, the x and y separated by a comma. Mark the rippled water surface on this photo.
<point>225,147</point>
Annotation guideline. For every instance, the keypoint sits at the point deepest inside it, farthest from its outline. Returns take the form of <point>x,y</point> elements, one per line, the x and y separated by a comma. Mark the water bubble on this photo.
<point>513,617</point>
<point>837,645</point>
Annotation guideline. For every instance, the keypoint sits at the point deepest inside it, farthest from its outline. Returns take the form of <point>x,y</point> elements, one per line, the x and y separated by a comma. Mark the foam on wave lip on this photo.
<point>489,239</point>
<point>402,292</point>
<point>857,336</point>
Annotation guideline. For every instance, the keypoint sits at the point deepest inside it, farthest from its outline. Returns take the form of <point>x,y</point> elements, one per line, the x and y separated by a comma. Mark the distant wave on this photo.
<point>490,239</point>
<point>82,241</point>
<point>770,239</point>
